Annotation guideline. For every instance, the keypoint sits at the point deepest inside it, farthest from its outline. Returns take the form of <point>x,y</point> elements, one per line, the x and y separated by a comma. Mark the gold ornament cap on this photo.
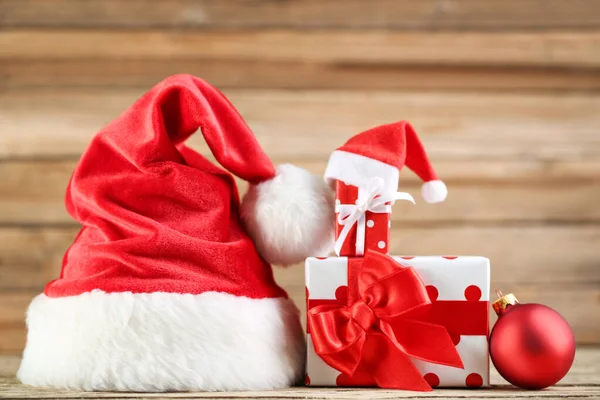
<point>503,302</point>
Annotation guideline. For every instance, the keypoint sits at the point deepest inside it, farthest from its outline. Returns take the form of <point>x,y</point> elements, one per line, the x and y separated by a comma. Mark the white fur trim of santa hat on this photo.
<point>158,342</point>
<point>289,217</point>
<point>356,170</point>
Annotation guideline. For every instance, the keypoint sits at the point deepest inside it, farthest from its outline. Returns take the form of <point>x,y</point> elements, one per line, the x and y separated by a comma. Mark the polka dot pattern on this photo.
<point>474,380</point>
<point>432,379</point>
<point>472,293</point>
<point>343,380</point>
<point>455,338</point>
<point>432,292</point>
<point>341,293</point>
<point>361,378</point>
<point>376,225</point>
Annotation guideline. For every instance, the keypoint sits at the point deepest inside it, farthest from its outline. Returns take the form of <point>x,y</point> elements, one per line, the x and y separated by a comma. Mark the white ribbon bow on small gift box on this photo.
<point>370,199</point>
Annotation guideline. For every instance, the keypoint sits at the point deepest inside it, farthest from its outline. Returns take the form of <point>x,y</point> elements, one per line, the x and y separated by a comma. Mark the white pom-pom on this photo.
<point>434,191</point>
<point>290,217</point>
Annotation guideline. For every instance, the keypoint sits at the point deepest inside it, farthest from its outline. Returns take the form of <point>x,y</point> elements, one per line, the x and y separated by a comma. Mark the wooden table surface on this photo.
<point>582,382</point>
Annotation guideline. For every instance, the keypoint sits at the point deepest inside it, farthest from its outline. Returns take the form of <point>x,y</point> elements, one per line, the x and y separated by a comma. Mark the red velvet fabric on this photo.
<point>396,144</point>
<point>157,216</point>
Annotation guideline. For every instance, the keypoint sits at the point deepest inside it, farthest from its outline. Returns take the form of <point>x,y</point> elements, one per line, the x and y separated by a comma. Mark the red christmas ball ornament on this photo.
<point>531,345</point>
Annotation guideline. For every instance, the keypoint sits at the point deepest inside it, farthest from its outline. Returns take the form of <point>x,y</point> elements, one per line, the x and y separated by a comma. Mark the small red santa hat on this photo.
<point>163,288</point>
<point>382,152</point>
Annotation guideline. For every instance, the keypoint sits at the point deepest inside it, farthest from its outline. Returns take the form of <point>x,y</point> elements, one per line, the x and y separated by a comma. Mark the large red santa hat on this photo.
<point>163,288</point>
<point>382,152</point>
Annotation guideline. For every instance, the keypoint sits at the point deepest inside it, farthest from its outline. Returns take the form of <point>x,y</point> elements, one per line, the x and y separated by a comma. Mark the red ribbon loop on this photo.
<point>383,328</point>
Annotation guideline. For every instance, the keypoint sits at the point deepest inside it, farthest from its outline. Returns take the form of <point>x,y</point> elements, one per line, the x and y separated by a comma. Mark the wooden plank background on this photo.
<point>505,95</point>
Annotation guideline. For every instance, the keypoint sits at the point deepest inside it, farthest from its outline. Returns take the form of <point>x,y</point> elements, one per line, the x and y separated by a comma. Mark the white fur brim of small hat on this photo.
<point>161,342</point>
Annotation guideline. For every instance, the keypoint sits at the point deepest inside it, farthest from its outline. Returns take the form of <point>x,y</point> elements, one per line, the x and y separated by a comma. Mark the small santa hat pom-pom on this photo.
<point>290,216</point>
<point>434,191</point>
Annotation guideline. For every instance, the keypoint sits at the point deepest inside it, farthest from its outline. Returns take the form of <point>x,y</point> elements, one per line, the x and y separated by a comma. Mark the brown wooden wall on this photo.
<point>504,93</point>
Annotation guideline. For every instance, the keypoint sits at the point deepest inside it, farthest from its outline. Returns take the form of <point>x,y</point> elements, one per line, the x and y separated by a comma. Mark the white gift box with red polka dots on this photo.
<point>458,286</point>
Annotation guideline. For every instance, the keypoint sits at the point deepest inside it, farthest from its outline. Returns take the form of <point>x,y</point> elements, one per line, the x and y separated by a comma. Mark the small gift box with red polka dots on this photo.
<point>459,290</point>
<point>374,229</point>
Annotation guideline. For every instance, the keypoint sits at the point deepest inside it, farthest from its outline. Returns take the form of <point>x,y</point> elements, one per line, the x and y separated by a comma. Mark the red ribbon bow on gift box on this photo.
<point>385,326</point>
